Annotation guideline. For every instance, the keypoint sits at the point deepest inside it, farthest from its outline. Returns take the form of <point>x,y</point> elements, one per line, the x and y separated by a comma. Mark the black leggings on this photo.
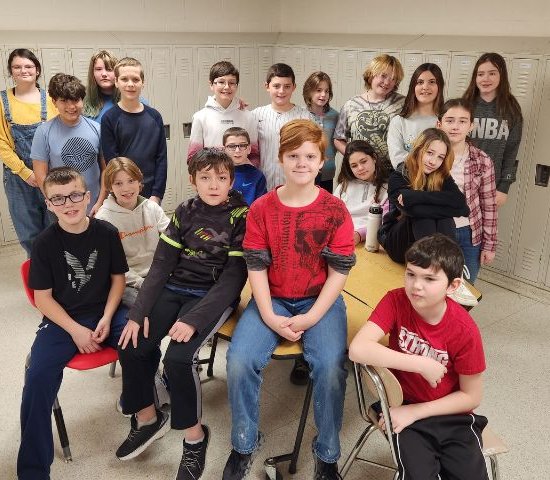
<point>139,364</point>
<point>408,229</point>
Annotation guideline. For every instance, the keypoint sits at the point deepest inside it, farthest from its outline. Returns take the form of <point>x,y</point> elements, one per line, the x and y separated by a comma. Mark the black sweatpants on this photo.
<point>139,364</point>
<point>408,229</point>
<point>446,447</point>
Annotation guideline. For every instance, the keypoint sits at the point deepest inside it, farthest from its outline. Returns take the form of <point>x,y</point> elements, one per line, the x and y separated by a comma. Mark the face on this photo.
<point>383,84</point>
<point>129,82</point>
<point>426,88</point>
<point>434,156</point>
<point>456,123</point>
<point>213,187</point>
<point>238,148</point>
<point>69,110</point>
<point>224,88</point>
<point>320,95</point>
<point>302,165</point>
<point>23,70</point>
<point>280,90</point>
<point>70,214</point>
<point>487,79</point>
<point>126,190</point>
<point>104,77</point>
<point>424,287</point>
<point>362,166</point>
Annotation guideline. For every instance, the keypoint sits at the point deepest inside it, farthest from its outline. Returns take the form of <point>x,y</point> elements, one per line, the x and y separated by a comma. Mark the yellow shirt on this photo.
<point>23,114</point>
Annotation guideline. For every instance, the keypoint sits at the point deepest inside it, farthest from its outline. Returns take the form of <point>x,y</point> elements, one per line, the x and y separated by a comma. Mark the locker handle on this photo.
<point>186,129</point>
<point>542,175</point>
<point>167,131</point>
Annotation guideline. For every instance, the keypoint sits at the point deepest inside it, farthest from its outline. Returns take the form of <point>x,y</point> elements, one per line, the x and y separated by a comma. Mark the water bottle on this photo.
<point>374,219</point>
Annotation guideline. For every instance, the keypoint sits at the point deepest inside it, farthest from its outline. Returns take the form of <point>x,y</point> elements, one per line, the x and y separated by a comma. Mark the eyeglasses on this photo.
<point>58,200</point>
<point>17,68</point>
<point>240,146</point>
<point>223,83</point>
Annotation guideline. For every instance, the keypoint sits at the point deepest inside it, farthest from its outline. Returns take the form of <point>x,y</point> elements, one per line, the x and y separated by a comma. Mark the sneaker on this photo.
<point>119,408</point>
<point>162,395</point>
<point>300,372</point>
<point>463,296</point>
<point>238,464</point>
<point>325,471</point>
<point>193,458</point>
<point>140,438</point>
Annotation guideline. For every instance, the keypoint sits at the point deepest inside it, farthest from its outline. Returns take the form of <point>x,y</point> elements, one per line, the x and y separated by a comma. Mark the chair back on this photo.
<point>25,267</point>
<point>380,378</point>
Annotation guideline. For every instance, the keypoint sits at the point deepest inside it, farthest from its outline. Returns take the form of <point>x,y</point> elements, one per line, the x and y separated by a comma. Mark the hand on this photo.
<point>32,180</point>
<point>102,330</point>
<point>94,209</point>
<point>401,417</point>
<point>181,331</point>
<point>83,339</point>
<point>242,104</point>
<point>431,370</point>
<point>276,322</point>
<point>131,331</point>
<point>157,200</point>
<point>486,257</point>
<point>356,238</point>
<point>400,199</point>
<point>501,198</point>
<point>298,323</point>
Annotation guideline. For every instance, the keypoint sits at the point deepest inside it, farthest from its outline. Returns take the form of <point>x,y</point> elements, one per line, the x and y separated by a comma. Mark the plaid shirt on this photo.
<point>480,192</point>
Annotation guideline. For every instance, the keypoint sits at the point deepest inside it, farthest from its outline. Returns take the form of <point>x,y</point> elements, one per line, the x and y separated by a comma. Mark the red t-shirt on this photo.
<point>454,342</point>
<point>295,238</point>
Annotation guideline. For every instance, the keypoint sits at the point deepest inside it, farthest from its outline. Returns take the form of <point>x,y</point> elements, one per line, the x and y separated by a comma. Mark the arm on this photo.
<point>161,165</point>
<point>487,202</point>
<point>341,132</point>
<point>261,187</point>
<point>8,154</point>
<point>509,159</point>
<point>196,139</point>
<point>40,169</point>
<point>448,202</point>
<point>340,145</point>
<point>396,142</point>
<point>109,147</point>
<point>113,301</point>
<point>103,191</point>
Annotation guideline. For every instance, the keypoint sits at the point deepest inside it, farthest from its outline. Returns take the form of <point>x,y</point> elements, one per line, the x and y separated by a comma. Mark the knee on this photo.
<point>329,366</point>
<point>239,362</point>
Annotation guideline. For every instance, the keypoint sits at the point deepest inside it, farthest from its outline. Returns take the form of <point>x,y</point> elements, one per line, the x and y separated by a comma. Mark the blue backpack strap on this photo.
<point>6,104</point>
<point>43,105</point>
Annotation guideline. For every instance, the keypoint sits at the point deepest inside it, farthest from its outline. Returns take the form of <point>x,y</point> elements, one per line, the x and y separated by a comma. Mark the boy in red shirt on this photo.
<point>298,249</point>
<point>436,353</point>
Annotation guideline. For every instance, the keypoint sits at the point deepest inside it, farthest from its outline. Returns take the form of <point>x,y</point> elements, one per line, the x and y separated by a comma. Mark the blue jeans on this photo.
<point>324,345</point>
<point>471,252</point>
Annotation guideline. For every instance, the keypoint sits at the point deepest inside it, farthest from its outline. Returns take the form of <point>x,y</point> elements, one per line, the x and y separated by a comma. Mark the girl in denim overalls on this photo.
<point>23,108</point>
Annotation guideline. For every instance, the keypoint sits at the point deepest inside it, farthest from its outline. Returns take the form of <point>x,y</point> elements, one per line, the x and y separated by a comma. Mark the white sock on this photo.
<point>194,442</point>
<point>147,422</point>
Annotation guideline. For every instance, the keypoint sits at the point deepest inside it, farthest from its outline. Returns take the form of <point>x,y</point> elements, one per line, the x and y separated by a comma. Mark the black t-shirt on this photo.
<point>77,267</point>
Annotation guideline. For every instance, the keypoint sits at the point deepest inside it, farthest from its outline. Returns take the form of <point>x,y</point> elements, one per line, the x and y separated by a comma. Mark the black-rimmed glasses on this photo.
<point>58,200</point>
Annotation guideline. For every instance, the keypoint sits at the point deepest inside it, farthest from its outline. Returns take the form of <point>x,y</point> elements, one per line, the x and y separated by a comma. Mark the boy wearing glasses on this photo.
<point>77,274</point>
<point>69,140</point>
<point>249,180</point>
<point>222,111</point>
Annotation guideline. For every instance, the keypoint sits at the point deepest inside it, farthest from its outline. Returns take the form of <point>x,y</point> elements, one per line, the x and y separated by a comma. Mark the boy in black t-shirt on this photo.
<point>77,273</point>
<point>197,273</point>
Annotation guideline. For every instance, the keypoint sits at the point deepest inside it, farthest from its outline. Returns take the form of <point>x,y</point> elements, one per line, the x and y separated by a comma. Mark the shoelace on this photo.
<point>190,459</point>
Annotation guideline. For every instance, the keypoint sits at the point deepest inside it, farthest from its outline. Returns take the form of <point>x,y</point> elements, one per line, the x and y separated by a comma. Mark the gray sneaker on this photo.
<point>140,438</point>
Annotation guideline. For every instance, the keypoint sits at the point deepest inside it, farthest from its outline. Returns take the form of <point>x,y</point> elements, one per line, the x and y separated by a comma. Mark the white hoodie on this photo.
<point>139,231</point>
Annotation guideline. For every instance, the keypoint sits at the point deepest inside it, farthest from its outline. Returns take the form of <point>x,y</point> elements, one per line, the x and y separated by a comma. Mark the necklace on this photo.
<point>376,106</point>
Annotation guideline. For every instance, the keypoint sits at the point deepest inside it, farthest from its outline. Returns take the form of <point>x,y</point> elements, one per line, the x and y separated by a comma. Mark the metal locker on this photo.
<point>4,71</point>
<point>54,60</point>
<point>411,60</point>
<point>329,65</point>
<point>460,74</point>
<point>442,60</point>
<point>265,60</point>
<point>313,61</point>
<point>141,53</point>
<point>364,57</point>
<point>206,57</point>
<point>80,61</point>
<point>229,54</point>
<point>347,81</point>
<point>248,82</point>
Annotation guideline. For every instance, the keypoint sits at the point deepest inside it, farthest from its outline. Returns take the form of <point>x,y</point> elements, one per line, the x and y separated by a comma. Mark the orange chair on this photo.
<point>80,361</point>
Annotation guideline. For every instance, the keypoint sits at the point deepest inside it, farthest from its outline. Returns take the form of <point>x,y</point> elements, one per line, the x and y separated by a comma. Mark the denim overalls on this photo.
<point>26,204</point>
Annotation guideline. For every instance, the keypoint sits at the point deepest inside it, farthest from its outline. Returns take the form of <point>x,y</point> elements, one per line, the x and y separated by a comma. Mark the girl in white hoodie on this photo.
<point>139,220</point>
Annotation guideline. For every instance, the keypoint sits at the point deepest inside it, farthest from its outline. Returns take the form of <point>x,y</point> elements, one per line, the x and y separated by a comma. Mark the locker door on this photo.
<point>162,88</point>
<point>411,60</point>
<point>185,101</point>
<point>80,61</point>
<point>4,77</point>
<point>347,81</point>
<point>312,61</point>
<point>54,60</point>
<point>265,60</point>
<point>142,54</point>
<point>443,61</point>
<point>298,65</point>
<point>364,57</point>
<point>229,54</point>
<point>283,54</point>
<point>329,65</point>
<point>461,72</point>
<point>206,57</point>
<point>248,82</point>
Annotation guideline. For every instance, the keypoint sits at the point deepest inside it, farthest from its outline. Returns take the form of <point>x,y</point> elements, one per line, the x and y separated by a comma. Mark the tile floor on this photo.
<point>516,400</point>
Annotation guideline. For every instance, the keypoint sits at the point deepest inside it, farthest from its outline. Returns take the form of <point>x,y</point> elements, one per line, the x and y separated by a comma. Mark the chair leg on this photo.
<point>356,449</point>
<point>112,370</point>
<point>62,431</point>
<point>495,474</point>
<point>210,369</point>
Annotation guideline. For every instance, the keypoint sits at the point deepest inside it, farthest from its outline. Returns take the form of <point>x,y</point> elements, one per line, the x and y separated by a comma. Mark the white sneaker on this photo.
<point>162,396</point>
<point>463,296</point>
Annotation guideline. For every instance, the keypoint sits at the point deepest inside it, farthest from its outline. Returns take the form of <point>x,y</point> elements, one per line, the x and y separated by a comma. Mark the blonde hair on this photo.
<point>415,169</point>
<point>121,164</point>
<point>379,65</point>
<point>129,62</point>
<point>93,102</point>
<point>296,132</point>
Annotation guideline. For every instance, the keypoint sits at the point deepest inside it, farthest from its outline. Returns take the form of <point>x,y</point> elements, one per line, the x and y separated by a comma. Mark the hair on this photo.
<point>63,176</point>
<point>456,103</point>
<point>296,132</point>
<point>312,83</point>
<point>66,87</point>
<point>208,158</point>
<point>411,102</point>
<point>439,252</point>
<point>121,164</point>
<point>235,132</point>
<point>507,105</point>
<point>380,64</point>
<point>221,69</point>
<point>93,102</point>
<point>346,175</point>
<point>280,70</point>
<point>413,163</point>
<point>129,62</point>
<point>29,55</point>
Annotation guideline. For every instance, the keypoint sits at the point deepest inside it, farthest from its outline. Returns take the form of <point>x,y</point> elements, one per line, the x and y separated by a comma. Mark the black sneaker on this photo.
<point>325,471</point>
<point>238,464</point>
<point>140,438</point>
<point>193,458</point>
<point>300,372</point>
